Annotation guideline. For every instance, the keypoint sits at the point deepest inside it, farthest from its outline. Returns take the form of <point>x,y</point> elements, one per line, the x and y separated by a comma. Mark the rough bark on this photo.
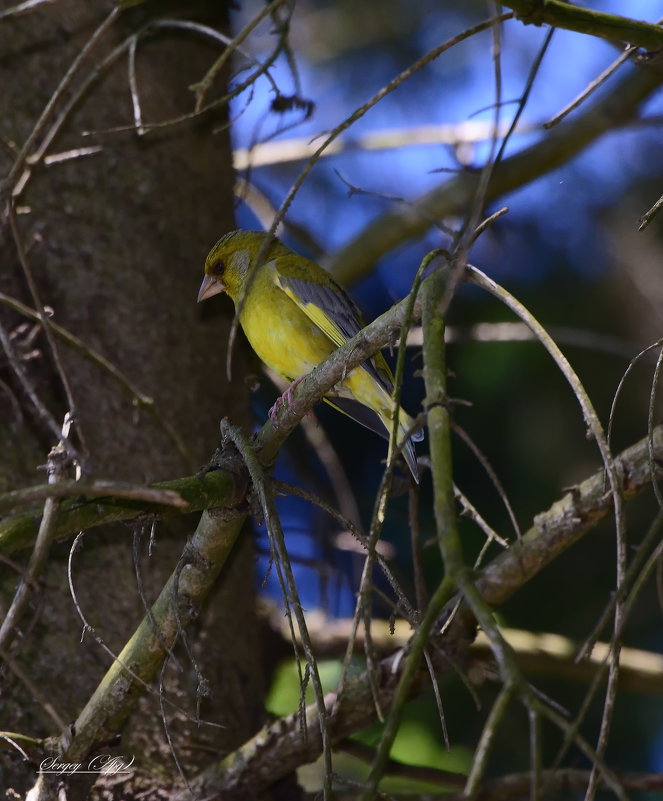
<point>115,242</point>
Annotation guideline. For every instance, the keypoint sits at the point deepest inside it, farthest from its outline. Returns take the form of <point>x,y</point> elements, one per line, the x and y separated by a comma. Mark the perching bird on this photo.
<point>295,315</point>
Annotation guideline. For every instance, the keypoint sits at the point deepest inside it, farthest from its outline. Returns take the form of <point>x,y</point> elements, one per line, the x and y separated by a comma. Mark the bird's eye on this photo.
<point>218,268</point>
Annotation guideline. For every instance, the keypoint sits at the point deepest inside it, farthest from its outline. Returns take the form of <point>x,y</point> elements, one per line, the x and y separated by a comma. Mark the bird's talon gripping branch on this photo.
<point>285,398</point>
<point>274,410</point>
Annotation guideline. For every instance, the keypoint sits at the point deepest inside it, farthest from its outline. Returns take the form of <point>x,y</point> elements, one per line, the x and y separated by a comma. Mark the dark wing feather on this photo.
<point>368,418</point>
<point>334,312</point>
<point>359,413</point>
<point>343,314</point>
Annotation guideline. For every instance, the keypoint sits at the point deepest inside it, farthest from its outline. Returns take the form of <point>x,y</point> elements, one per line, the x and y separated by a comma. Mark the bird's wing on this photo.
<point>334,312</point>
<point>360,413</point>
<point>330,308</point>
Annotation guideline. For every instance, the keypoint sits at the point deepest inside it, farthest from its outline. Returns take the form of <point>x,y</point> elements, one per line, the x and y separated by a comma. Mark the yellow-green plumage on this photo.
<point>295,315</point>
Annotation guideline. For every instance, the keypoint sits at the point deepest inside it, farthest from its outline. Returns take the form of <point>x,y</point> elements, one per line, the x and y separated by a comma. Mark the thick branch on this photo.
<point>540,654</point>
<point>567,520</point>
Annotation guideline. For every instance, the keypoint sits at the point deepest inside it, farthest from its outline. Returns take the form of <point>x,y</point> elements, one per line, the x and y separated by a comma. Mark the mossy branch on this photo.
<point>221,487</point>
<point>560,14</point>
<point>217,488</point>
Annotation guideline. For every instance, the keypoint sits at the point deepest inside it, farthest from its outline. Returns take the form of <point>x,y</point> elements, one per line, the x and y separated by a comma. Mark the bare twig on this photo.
<point>56,467</point>
<point>365,248</point>
<point>23,8</point>
<point>139,398</point>
<point>45,323</point>
<point>591,87</point>
<point>288,587</point>
<point>43,414</point>
<point>200,563</point>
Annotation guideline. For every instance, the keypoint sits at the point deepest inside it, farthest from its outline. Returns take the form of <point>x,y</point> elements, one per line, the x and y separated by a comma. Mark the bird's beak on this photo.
<point>210,286</point>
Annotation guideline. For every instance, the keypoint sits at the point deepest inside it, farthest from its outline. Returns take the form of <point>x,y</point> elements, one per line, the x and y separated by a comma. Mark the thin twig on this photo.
<point>591,87</point>
<point>23,8</point>
<point>43,414</point>
<point>45,323</point>
<point>203,86</point>
<point>486,740</point>
<point>291,595</point>
<point>57,467</point>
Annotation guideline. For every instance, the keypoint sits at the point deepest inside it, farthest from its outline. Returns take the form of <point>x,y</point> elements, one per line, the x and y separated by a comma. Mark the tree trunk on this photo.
<point>115,242</point>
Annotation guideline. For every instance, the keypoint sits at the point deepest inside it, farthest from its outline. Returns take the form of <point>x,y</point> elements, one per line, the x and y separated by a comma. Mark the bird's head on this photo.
<point>228,263</point>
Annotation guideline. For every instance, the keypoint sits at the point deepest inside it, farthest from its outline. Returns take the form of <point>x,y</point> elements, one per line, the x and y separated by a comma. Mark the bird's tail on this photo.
<point>381,422</point>
<point>405,424</point>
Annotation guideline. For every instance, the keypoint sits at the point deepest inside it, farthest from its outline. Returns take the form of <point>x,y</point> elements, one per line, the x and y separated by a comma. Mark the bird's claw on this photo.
<point>273,412</point>
<point>285,398</point>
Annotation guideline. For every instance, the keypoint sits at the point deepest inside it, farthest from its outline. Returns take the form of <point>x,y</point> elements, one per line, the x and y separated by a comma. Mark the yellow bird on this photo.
<point>295,315</point>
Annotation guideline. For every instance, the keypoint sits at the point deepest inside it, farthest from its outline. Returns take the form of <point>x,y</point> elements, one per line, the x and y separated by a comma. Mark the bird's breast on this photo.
<point>284,338</point>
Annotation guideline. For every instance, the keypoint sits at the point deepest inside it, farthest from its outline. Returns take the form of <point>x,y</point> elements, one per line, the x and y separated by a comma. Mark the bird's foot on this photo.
<point>285,398</point>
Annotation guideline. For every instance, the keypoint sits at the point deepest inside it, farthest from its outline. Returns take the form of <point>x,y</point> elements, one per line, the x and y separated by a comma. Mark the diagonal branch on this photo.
<point>561,14</point>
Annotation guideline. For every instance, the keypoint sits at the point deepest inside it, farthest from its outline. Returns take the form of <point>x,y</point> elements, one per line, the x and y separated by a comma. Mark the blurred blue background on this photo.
<point>568,247</point>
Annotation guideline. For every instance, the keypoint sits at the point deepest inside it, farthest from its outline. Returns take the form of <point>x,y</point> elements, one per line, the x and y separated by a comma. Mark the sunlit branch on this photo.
<point>561,14</point>
<point>293,150</point>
